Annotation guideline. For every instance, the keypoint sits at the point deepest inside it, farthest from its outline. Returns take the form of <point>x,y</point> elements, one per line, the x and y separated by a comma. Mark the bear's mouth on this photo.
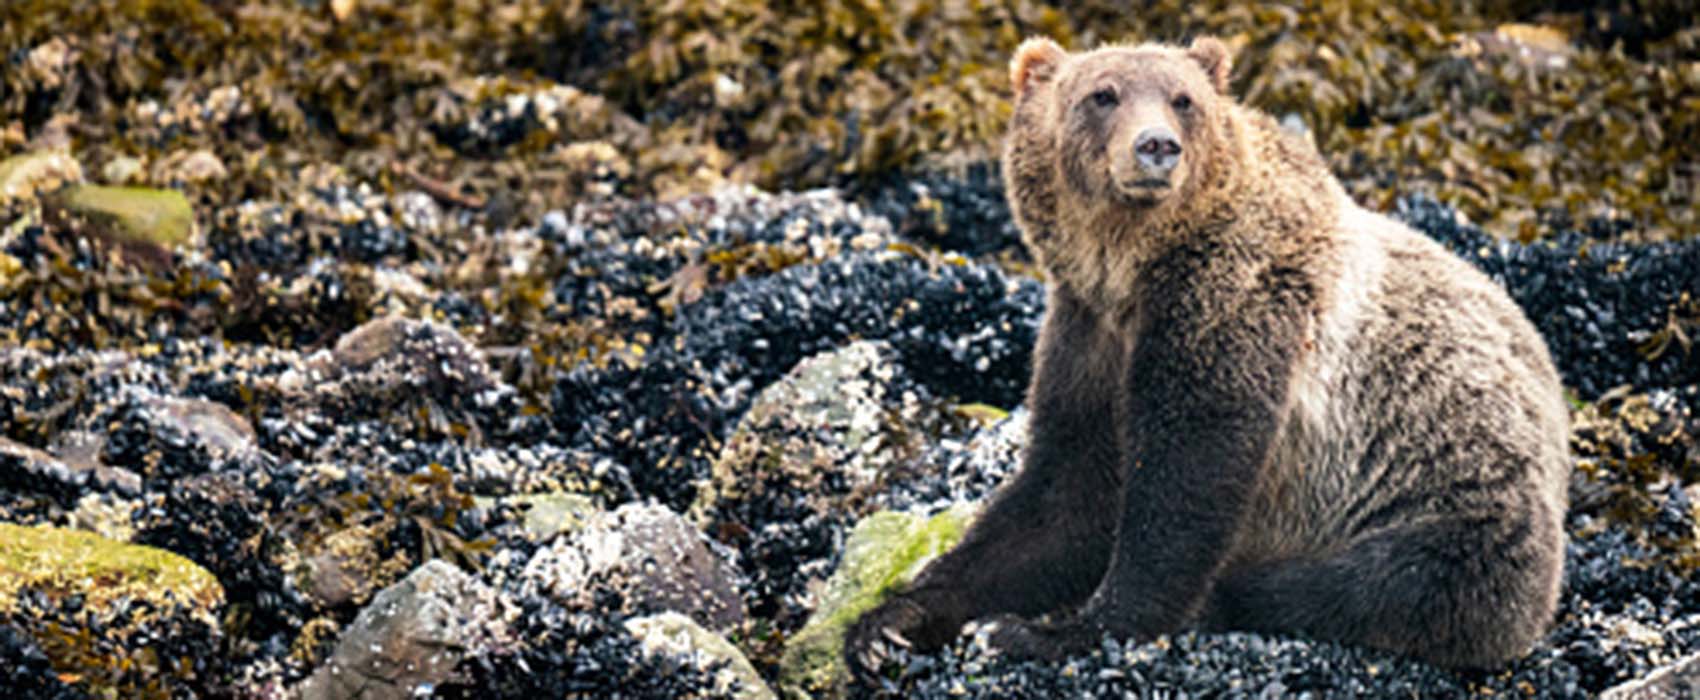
<point>1144,191</point>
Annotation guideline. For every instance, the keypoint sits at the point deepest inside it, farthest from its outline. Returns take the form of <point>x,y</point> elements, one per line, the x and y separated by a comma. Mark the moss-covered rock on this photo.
<point>884,552</point>
<point>70,562</point>
<point>113,619</point>
<point>134,215</point>
<point>542,516</point>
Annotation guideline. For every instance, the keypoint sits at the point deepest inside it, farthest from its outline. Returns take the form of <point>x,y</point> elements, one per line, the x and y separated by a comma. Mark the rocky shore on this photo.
<point>526,396</point>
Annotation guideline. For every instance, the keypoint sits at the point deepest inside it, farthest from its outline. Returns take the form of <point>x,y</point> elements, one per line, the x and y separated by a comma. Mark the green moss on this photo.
<point>66,562</point>
<point>135,214</point>
<point>884,552</point>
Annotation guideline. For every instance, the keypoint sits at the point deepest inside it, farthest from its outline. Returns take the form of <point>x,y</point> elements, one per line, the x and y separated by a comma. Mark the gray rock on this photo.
<point>654,557</point>
<point>829,429</point>
<point>1677,681</point>
<point>212,425</point>
<point>678,635</point>
<point>396,352</point>
<point>48,474</point>
<point>411,636</point>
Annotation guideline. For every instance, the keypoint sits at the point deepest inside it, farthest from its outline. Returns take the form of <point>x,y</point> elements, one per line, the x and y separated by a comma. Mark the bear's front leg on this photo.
<point>1209,398</point>
<point>1044,540</point>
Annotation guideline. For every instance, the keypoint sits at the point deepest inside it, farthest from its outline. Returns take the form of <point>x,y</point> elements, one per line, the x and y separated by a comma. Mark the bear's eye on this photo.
<point>1104,97</point>
<point>1181,103</point>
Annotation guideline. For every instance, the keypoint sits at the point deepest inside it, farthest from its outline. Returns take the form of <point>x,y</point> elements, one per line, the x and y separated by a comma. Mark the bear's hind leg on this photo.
<point>1461,592</point>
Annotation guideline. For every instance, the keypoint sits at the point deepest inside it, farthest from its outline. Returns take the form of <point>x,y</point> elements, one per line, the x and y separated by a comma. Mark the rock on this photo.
<point>122,170</point>
<point>81,450</point>
<point>189,167</point>
<point>678,635</point>
<point>167,437</point>
<point>61,476</point>
<point>545,515</point>
<point>420,375</point>
<point>411,636</point>
<point>346,567</point>
<point>25,175</point>
<point>102,572</point>
<point>884,552</point>
<point>372,341</point>
<point>1677,681</point>
<point>825,433</point>
<point>136,216</point>
<point>30,470</point>
<point>106,515</point>
<point>652,556</point>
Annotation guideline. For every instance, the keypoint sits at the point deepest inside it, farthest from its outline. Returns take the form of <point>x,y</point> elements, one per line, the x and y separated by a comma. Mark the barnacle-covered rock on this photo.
<point>824,434</point>
<point>652,556</point>
<point>25,175</point>
<point>1678,680</point>
<point>679,635</point>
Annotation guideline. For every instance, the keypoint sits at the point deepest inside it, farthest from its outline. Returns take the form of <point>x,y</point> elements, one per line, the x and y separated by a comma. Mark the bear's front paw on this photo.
<point>898,623</point>
<point>1024,639</point>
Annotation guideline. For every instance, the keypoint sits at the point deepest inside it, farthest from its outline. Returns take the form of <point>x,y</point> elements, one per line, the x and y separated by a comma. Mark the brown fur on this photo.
<point>1255,404</point>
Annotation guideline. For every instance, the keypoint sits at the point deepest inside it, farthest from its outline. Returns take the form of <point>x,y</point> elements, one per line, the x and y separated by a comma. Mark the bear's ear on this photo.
<point>1035,62</point>
<point>1213,56</point>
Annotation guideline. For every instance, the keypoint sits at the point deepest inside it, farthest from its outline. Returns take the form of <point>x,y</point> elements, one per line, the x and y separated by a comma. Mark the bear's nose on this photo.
<point>1157,149</point>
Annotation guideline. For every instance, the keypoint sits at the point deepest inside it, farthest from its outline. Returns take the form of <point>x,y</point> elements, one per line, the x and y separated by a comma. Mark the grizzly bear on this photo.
<point>1255,405</point>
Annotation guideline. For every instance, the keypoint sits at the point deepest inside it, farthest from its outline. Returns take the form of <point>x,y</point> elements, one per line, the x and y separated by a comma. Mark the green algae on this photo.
<point>884,552</point>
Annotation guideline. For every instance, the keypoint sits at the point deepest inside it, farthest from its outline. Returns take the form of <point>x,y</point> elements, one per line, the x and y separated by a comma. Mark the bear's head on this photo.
<point>1137,126</point>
